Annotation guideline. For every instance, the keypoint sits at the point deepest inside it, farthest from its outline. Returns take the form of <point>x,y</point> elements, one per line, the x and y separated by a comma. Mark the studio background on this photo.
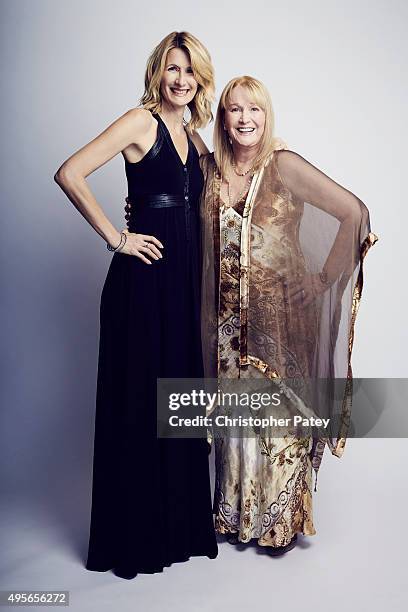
<point>336,72</point>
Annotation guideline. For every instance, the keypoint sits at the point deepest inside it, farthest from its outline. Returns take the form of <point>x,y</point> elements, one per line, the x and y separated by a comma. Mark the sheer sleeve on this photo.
<point>210,266</point>
<point>335,236</point>
<point>311,186</point>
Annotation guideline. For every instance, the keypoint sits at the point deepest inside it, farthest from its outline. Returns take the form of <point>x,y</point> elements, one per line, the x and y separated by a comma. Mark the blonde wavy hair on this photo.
<point>223,152</point>
<point>200,106</point>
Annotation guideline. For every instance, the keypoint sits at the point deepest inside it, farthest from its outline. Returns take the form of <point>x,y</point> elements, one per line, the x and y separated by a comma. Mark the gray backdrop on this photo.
<point>337,75</point>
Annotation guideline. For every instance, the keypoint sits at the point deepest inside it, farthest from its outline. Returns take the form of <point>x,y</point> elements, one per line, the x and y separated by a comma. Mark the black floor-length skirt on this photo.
<point>151,500</point>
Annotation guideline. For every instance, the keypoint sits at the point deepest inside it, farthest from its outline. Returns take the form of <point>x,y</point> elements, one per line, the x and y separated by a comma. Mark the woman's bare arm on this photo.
<point>135,130</point>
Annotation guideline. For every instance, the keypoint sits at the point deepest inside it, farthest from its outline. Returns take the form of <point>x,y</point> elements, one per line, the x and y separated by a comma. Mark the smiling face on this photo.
<point>178,85</point>
<point>244,120</point>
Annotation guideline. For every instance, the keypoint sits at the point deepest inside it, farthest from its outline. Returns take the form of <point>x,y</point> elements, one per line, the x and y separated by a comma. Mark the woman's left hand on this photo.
<point>305,290</point>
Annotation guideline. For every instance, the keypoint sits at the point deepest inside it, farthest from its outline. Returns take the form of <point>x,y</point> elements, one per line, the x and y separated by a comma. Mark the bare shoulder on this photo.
<point>199,143</point>
<point>142,129</point>
<point>129,128</point>
<point>139,119</point>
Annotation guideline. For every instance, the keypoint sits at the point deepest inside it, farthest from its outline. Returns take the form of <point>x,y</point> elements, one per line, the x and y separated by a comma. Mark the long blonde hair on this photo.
<point>200,106</point>
<point>223,152</point>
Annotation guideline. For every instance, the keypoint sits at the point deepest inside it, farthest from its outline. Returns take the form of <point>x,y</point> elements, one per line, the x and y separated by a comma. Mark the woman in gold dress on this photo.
<point>283,246</point>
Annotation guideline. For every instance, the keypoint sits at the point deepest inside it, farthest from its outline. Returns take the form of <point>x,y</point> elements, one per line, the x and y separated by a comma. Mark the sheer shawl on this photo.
<point>298,226</point>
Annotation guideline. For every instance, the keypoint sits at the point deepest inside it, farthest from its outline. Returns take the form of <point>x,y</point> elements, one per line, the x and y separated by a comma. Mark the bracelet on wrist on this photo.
<point>121,244</point>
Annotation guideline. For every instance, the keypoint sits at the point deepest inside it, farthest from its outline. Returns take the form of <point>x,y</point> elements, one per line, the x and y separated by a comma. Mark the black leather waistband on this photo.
<point>160,200</point>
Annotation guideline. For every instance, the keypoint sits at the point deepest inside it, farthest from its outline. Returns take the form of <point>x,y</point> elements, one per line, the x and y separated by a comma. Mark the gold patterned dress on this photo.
<point>295,224</point>
<point>260,495</point>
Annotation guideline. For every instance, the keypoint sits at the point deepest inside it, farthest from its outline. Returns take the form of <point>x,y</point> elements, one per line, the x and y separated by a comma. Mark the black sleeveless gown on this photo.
<point>151,500</point>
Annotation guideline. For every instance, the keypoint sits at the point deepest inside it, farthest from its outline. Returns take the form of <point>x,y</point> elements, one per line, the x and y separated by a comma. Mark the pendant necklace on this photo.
<point>245,187</point>
<point>240,173</point>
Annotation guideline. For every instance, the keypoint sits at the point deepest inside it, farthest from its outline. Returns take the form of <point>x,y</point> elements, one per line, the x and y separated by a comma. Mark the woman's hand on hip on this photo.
<point>142,246</point>
<point>305,290</point>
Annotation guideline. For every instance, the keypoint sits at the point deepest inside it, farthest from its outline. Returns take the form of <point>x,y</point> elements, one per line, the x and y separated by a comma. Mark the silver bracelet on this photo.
<point>121,244</point>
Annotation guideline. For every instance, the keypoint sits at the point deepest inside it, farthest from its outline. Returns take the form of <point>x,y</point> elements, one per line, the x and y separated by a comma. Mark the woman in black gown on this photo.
<point>151,501</point>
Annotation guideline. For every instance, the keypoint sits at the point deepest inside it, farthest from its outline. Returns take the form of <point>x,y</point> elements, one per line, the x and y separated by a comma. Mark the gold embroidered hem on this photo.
<point>259,501</point>
<point>338,449</point>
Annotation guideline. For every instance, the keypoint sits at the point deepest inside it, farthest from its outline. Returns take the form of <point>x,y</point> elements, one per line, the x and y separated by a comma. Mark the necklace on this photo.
<point>240,173</point>
<point>245,187</point>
